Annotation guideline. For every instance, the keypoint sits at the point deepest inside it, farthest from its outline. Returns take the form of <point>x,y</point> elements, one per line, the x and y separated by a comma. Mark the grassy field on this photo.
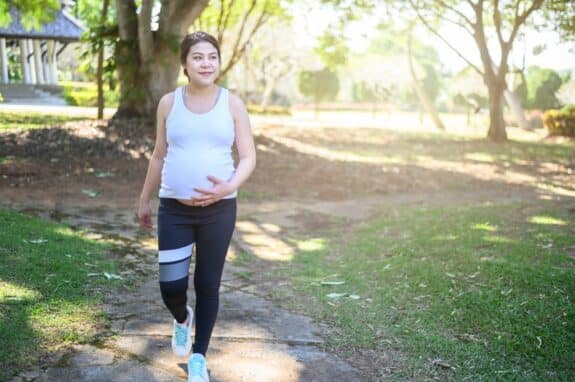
<point>51,280</point>
<point>482,294</point>
<point>86,94</point>
<point>19,121</point>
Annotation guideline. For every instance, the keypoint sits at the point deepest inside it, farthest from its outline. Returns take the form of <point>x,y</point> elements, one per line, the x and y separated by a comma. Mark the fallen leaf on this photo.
<point>332,282</point>
<point>36,241</point>
<point>91,193</point>
<point>103,174</point>
<point>111,276</point>
<point>334,295</point>
<point>443,364</point>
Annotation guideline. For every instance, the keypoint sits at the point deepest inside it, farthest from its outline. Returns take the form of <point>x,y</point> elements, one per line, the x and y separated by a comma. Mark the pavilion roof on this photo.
<point>63,28</point>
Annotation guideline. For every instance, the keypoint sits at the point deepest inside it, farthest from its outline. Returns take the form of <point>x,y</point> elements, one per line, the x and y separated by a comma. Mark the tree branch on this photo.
<point>454,10</point>
<point>145,31</point>
<point>432,30</point>
<point>497,22</point>
<point>225,22</point>
<point>177,15</point>
<point>237,53</point>
<point>127,19</point>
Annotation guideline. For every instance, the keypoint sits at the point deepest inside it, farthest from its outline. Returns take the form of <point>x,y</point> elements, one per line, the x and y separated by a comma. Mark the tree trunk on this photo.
<point>100,69</point>
<point>496,131</point>
<point>419,90</point>
<point>516,109</point>
<point>148,61</point>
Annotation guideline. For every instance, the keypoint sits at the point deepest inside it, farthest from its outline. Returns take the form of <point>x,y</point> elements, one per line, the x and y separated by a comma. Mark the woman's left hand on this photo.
<point>221,189</point>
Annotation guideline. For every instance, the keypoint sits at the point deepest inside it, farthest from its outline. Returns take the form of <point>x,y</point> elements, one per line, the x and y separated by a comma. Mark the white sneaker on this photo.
<point>197,369</point>
<point>182,335</point>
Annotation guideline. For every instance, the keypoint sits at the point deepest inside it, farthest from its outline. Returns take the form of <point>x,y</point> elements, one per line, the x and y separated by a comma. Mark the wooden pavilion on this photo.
<point>38,48</point>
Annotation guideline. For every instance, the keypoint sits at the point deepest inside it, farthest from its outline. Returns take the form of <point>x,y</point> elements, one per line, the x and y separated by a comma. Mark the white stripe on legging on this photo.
<point>171,255</point>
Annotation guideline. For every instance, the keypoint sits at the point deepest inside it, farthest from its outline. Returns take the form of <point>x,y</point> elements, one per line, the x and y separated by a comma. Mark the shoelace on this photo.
<point>196,366</point>
<point>181,335</point>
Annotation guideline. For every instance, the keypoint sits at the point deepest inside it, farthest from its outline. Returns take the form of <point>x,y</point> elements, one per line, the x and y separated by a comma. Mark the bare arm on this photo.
<point>244,143</point>
<point>153,176</point>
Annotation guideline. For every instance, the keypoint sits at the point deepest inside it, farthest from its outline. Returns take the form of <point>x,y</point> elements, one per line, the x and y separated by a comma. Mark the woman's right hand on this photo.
<point>145,215</point>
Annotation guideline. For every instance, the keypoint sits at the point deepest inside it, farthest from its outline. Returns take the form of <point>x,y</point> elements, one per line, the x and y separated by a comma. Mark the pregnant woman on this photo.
<point>193,168</point>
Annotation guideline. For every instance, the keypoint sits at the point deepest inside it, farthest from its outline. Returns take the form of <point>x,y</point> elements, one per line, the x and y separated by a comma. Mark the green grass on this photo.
<point>488,290</point>
<point>86,94</point>
<point>11,121</point>
<point>47,299</point>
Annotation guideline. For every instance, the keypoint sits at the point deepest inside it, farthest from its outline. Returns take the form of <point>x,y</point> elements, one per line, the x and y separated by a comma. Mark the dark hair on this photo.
<point>191,40</point>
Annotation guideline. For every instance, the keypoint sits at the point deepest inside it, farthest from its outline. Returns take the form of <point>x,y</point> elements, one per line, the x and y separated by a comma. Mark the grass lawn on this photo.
<point>481,294</point>
<point>50,282</point>
<point>11,121</point>
<point>86,94</point>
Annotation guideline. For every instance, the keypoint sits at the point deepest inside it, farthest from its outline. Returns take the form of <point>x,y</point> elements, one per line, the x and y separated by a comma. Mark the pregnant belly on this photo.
<point>182,179</point>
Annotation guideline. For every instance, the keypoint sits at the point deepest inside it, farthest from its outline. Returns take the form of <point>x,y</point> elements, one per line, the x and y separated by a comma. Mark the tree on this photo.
<point>235,22</point>
<point>420,90</point>
<point>321,85</point>
<point>542,87</point>
<point>146,54</point>
<point>476,19</point>
<point>422,61</point>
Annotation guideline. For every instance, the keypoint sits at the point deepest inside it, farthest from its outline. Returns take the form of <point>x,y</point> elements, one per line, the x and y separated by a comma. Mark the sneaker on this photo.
<point>197,369</point>
<point>182,335</point>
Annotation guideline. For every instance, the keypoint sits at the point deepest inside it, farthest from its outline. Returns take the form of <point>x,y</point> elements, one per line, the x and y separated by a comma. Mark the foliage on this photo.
<point>467,90</point>
<point>332,49</point>
<point>566,93</point>
<point>560,122</point>
<point>89,11</point>
<point>391,44</point>
<point>87,95</point>
<point>33,13</point>
<point>542,85</point>
<point>560,15</point>
<point>321,85</point>
<point>235,23</point>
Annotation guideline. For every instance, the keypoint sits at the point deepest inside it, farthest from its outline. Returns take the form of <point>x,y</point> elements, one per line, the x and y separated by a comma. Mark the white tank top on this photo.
<point>198,145</point>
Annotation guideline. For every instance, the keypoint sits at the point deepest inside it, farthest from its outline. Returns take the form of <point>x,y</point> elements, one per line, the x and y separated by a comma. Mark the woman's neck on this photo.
<point>200,90</point>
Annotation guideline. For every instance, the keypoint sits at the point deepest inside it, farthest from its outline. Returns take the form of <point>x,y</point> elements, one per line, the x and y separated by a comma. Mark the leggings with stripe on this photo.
<point>209,229</point>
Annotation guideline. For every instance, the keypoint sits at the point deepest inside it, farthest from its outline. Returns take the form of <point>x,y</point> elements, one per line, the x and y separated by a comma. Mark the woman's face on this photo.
<point>202,64</point>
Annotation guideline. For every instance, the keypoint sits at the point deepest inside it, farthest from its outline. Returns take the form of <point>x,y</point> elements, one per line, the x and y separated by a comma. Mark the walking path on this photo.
<point>254,340</point>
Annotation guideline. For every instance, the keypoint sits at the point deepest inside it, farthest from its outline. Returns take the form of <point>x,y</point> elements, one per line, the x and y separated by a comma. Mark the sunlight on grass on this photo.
<point>311,244</point>
<point>484,227</point>
<point>547,220</point>
<point>444,238</point>
<point>498,239</point>
<point>480,157</point>
<point>10,292</point>
<point>19,121</point>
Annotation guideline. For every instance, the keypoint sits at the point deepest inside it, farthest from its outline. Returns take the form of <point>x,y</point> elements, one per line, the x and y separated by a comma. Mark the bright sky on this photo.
<point>559,56</point>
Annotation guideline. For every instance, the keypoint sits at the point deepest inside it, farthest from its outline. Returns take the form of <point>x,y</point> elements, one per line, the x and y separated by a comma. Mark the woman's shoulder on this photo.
<point>236,103</point>
<point>166,102</point>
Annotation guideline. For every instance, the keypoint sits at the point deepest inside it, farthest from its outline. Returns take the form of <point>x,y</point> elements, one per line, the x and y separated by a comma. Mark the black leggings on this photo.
<point>210,229</point>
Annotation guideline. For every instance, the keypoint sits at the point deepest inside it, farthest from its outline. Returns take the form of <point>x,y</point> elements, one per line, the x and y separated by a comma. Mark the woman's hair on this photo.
<point>191,40</point>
